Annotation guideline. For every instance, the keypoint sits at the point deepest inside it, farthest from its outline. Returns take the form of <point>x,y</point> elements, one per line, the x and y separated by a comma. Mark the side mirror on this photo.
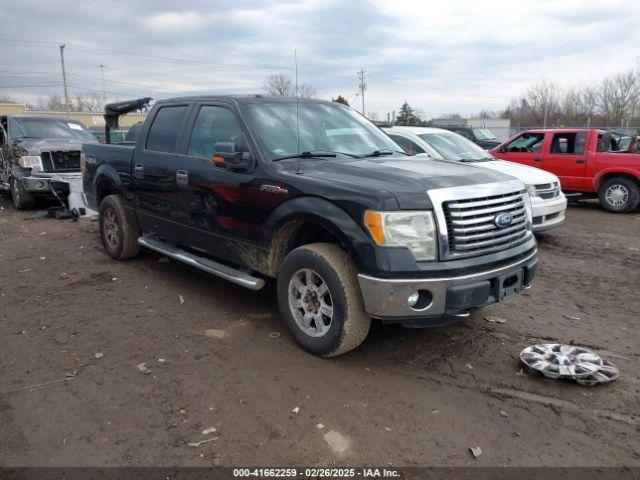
<point>228,156</point>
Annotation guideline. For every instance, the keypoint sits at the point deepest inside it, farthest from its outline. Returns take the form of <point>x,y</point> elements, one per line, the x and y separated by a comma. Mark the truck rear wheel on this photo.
<point>320,300</point>
<point>619,195</point>
<point>118,231</point>
<point>22,199</point>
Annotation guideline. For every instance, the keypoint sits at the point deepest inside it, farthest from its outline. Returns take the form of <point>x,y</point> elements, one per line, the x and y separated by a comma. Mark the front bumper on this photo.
<point>44,184</point>
<point>548,214</point>
<point>387,299</point>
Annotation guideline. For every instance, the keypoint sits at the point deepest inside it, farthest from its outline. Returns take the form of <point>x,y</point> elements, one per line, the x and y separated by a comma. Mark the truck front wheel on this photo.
<point>619,194</point>
<point>118,231</point>
<point>22,199</point>
<point>320,300</point>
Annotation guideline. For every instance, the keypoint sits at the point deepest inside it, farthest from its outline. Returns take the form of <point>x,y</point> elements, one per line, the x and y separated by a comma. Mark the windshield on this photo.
<point>484,134</point>
<point>452,146</point>
<point>48,128</point>
<point>323,127</point>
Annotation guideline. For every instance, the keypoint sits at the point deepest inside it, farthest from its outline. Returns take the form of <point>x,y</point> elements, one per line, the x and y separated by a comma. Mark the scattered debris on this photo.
<point>68,376</point>
<point>181,298</point>
<point>572,317</point>
<point>433,412</point>
<point>215,333</point>
<point>503,413</point>
<point>43,258</point>
<point>207,431</point>
<point>161,360</point>
<point>114,279</point>
<point>494,319</point>
<point>476,451</point>
<point>295,410</point>
<point>319,426</point>
<point>469,366</point>
<point>520,373</point>
<point>197,444</point>
<point>336,441</point>
<point>142,368</point>
<point>387,429</point>
<point>99,355</point>
<point>274,335</point>
<point>163,260</point>
<point>555,360</point>
<point>25,270</point>
<point>367,369</point>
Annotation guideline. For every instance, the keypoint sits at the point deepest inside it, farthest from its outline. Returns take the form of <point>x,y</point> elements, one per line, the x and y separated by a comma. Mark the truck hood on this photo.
<point>529,175</point>
<point>37,146</point>
<point>406,178</point>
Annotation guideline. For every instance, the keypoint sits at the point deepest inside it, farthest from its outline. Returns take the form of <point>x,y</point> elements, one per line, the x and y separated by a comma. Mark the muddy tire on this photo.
<point>22,199</point>
<point>119,231</point>
<point>619,195</point>
<point>320,300</point>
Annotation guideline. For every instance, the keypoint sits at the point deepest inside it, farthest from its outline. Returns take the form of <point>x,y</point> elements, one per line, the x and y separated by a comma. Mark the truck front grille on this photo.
<point>474,228</point>
<point>61,161</point>
<point>548,191</point>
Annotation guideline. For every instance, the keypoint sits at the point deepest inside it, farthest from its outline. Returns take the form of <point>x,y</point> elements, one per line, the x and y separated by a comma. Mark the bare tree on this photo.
<point>7,99</point>
<point>278,85</point>
<point>307,91</point>
<point>619,96</point>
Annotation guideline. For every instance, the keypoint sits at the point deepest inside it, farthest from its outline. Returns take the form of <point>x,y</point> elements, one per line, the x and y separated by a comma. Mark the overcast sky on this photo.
<point>445,56</point>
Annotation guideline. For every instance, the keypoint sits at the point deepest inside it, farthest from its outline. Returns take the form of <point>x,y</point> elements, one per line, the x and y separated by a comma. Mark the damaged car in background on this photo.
<point>40,157</point>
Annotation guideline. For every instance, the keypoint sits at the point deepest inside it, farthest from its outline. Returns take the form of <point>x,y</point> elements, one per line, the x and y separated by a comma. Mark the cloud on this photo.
<point>178,21</point>
<point>440,56</point>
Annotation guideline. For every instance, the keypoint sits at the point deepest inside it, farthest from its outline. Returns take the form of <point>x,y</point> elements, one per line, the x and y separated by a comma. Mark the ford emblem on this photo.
<point>503,220</point>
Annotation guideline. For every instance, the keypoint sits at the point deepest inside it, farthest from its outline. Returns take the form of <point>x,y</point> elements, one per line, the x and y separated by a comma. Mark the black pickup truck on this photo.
<point>312,194</point>
<point>39,155</point>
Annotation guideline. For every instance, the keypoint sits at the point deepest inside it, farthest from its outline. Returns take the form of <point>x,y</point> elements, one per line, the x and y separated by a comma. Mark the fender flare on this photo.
<point>597,180</point>
<point>327,215</point>
<point>106,173</point>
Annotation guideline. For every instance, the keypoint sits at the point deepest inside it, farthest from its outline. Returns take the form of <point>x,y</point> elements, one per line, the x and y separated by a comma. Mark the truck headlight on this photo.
<point>414,230</point>
<point>31,161</point>
<point>533,191</point>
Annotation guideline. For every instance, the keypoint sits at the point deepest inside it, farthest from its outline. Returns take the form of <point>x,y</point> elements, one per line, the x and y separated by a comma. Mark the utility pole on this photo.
<point>104,92</point>
<point>64,80</point>
<point>546,109</point>
<point>362,87</point>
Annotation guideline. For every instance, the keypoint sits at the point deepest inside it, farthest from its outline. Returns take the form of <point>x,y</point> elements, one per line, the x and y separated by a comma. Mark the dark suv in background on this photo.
<point>480,136</point>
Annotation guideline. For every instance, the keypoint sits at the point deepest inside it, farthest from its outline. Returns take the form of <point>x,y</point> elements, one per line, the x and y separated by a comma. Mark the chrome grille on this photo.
<point>547,191</point>
<point>472,228</point>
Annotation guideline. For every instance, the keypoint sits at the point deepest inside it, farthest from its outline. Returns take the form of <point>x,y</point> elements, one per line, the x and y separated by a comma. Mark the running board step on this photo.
<point>223,271</point>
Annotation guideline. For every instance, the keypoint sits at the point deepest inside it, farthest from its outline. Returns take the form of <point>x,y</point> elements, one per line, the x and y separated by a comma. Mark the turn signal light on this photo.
<point>373,221</point>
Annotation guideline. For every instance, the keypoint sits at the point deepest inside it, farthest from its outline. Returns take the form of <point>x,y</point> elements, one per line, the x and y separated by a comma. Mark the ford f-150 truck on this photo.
<point>587,161</point>
<point>39,155</point>
<point>312,194</point>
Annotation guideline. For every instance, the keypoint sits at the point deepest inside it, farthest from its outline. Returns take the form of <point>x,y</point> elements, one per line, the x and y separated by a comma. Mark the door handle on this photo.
<point>580,160</point>
<point>138,170</point>
<point>537,159</point>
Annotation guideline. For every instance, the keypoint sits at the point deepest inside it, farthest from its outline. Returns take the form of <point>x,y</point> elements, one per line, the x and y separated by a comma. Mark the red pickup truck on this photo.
<point>588,161</point>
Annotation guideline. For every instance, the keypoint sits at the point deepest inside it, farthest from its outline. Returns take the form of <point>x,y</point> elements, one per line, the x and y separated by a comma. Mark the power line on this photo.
<point>156,58</point>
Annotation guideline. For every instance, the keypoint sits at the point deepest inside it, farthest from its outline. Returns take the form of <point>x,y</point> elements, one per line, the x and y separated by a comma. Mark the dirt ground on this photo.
<point>405,398</point>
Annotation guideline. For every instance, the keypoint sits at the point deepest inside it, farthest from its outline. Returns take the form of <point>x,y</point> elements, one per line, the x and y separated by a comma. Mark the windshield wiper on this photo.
<point>314,154</point>
<point>381,153</point>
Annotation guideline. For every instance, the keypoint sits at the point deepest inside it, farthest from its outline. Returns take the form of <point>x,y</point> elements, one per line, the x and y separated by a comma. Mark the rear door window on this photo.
<point>164,131</point>
<point>568,143</point>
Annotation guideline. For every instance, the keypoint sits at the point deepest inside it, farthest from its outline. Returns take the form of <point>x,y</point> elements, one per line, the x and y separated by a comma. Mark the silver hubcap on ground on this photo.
<point>617,195</point>
<point>310,302</point>
<point>110,227</point>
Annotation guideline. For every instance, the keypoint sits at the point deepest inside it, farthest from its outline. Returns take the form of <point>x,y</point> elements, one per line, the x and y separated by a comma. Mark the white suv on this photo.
<point>548,201</point>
